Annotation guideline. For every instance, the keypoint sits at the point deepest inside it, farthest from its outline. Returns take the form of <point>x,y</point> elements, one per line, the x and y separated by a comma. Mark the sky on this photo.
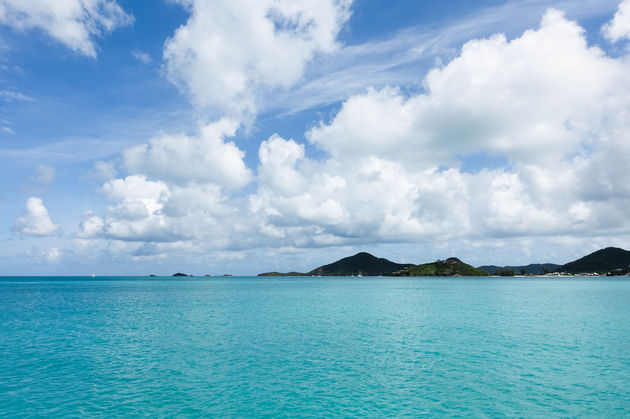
<point>236,136</point>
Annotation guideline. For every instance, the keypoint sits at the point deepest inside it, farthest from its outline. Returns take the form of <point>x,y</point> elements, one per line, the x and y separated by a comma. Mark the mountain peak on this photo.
<point>364,255</point>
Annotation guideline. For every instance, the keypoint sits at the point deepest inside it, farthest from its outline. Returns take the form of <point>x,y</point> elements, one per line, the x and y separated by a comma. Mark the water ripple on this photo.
<point>325,347</point>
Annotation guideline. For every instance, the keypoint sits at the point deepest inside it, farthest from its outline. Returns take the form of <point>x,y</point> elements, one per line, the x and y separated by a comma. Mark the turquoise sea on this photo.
<point>368,347</point>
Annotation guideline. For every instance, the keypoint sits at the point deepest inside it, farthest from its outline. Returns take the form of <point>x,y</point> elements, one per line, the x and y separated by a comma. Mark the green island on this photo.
<point>449,267</point>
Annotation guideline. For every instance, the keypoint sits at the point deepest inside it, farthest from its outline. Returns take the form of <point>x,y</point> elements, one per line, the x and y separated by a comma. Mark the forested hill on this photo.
<point>360,264</point>
<point>601,261</point>
<point>448,267</point>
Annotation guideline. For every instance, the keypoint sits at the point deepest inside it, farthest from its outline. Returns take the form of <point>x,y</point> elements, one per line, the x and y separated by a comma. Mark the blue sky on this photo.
<point>211,136</point>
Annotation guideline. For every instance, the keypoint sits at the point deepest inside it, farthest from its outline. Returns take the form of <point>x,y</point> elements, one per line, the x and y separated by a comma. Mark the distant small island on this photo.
<point>283,274</point>
<point>610,261</point>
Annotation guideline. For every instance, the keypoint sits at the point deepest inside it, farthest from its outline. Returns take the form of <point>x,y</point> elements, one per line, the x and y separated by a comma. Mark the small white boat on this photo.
<point>93,275</point>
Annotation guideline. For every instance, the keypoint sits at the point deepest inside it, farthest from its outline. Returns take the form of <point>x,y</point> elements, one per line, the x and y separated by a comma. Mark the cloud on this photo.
<point>189,201</point>
<point>394,167</point>
<point>52,255</point>
<point>91,226</point>
<point>72,22</point>
<point>398,58</point>
<point>12,95</point>
<point>278,159</point>
<point>513,98</point>
<point>45,174</point>
<point>103,170</point>
<point>35,255</point>
<point>143,57</point>
<point>157,212</point>
<point>137,214</point>
<point>230,52</point>
<point>203,158</point>
<point>619,27</point>
<point>35,221</point>
<point>549,104</point>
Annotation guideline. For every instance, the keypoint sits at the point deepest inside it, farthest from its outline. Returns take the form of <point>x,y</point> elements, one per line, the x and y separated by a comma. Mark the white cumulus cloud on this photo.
<point>278,158</point>
<point>513,98</point>
<point>137,214</point>
<point>91,226</point>
<point>548,104</point>
<point>400,167</point>
<point>203,158</point>
<point>153,211</point>
<point>619,27</point>
<point>229,52</point>
<point>72,22</point>
<point>36,220</point>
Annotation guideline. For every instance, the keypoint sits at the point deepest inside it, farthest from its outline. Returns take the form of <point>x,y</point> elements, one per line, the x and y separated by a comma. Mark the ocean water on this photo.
<point>368,347</point>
